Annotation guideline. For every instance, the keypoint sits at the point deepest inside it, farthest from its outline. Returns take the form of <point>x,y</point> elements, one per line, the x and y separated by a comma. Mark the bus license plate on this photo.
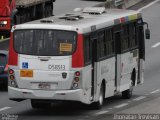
<point>44,86</point>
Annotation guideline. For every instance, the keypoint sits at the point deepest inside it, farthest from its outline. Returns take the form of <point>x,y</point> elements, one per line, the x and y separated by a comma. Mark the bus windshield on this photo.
<point>45,42</point>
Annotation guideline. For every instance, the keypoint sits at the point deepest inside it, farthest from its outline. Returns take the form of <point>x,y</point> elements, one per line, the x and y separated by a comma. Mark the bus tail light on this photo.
<point>77,73</point>
<point>77,80</point>
<point>11,71</point>
<point>75,85</point>
<point>13,83</point>
<point>11,79</point>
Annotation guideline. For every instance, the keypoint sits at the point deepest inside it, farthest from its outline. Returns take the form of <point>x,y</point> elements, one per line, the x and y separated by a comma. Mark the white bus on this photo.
<point>83,56</point>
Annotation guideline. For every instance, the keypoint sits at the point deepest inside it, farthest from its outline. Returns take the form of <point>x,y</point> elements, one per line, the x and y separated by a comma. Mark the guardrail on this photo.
<point>118,2</point>
<point>129,3</point>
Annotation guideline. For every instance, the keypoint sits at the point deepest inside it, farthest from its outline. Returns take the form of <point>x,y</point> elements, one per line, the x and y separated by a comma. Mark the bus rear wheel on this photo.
<point>100,102</point>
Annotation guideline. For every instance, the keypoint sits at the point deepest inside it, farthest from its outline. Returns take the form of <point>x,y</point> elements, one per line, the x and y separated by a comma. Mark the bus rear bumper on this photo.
<point>61,95</point>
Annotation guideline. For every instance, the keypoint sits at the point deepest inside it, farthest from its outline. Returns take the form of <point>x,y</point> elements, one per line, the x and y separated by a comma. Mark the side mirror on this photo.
<point>147,33</point>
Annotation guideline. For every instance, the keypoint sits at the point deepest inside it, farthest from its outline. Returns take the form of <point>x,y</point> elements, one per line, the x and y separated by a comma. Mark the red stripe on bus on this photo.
<point>13,56</point>
<point>78,56</point>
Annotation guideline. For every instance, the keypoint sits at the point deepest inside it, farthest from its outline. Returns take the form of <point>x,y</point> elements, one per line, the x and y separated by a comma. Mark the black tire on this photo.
<point>98,105</point>
<point>127,94</point>
<point>40,105</point>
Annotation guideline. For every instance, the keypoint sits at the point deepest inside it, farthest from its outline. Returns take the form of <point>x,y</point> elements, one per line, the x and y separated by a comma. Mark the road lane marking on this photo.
<point>156,45</point>
<point>121,105</point>
<point>102,112</point>
<point>139,98</point>
<point>155,91</point>
<point>5,108</point>
<point>148,5</point>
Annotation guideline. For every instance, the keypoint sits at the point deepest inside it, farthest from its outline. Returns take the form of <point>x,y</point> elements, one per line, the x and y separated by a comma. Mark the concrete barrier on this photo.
<point>124,4</point>
<point>129,3</point>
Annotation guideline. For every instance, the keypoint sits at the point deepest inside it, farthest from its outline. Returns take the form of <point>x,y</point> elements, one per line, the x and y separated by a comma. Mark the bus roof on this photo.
<point>83,21</point>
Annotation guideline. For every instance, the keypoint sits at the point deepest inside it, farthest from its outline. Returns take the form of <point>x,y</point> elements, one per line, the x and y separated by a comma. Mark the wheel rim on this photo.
<point>131,88</point>
<point>101,97</point>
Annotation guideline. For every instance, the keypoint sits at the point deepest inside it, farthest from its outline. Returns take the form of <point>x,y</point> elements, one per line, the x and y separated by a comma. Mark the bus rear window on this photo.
<point>45,42</point>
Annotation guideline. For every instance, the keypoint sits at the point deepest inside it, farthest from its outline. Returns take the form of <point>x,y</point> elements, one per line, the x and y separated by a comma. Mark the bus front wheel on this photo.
<point>127,94</point>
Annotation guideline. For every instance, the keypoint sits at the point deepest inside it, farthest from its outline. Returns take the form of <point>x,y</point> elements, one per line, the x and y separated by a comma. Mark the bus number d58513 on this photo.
<point>56,67</point>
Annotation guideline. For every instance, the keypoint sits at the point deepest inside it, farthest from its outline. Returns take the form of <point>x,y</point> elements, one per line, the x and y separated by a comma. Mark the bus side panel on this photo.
<point>86,84</point>
<point>106,71</point>
<point>128,63</point>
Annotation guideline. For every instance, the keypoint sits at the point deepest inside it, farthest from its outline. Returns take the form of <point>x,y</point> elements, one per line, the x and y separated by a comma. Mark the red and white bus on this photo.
<point>84,56</point>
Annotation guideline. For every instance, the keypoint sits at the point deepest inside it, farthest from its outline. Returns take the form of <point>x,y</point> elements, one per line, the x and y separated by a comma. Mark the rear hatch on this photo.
<point>44,58</point>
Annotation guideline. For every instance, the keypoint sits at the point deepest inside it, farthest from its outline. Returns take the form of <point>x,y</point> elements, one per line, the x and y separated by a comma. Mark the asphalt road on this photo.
<point>144,95</point>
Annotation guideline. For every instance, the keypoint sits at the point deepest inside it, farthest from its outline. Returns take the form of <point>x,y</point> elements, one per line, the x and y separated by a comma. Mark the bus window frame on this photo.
<point>46,29</point>
<point>107,56</point>
<point>120,30</point>
<point>90,49</point>
<point>136,40</point>
<point>127,49</point>
<point>93,36</point>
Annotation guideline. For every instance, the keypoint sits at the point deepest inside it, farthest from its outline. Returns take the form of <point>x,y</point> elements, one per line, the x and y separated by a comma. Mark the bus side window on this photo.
<point>125,43</point>
<point>117,38</point>
<point>109,42</point>
<point>100,45</point>
<point>132,35</point>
